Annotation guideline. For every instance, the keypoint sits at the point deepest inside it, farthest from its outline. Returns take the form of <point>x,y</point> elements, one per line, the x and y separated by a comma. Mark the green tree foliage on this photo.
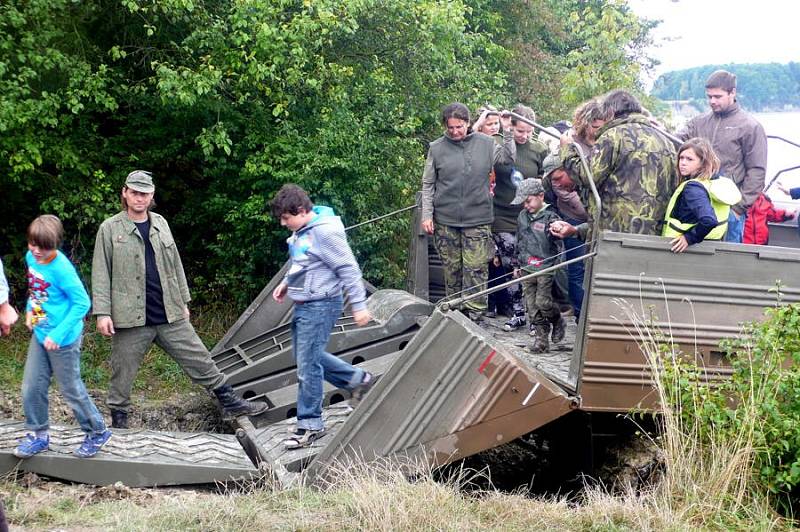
<point>226,101</point>
<point>760,86</point>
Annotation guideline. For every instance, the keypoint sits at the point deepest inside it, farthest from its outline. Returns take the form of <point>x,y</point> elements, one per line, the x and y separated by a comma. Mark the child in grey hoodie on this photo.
<point>322,268</point>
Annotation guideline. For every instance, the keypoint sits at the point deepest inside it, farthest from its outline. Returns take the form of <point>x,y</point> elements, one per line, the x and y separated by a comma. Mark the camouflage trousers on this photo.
<point>465,253</point>
<point>539,300</point>
<point>506,250</point>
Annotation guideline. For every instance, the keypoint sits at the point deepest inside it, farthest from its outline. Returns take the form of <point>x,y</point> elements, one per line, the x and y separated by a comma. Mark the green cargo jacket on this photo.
<point>118,273</point>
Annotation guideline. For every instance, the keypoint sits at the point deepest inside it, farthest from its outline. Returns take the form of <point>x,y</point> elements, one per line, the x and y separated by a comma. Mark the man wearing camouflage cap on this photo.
<point>140,296</point>
<point>538,249</point>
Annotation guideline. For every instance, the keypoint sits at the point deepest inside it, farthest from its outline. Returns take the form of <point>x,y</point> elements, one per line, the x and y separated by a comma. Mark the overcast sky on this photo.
<point>703,32</point>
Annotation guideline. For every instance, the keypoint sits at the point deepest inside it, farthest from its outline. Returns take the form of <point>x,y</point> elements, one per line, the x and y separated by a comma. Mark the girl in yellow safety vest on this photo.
<point>698,210</point>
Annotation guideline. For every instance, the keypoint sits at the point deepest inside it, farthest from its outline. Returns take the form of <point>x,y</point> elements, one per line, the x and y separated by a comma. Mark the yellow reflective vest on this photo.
<point>722,192</point>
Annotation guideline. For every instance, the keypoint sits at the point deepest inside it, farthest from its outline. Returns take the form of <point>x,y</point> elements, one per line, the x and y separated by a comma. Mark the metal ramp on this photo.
<point>137,458</point>
<point>263,367</point>
<point>454,391</point>
<point>263,314</point>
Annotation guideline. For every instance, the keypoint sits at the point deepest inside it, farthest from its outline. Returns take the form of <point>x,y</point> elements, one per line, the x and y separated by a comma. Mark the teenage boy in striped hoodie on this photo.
<point>322,269</point>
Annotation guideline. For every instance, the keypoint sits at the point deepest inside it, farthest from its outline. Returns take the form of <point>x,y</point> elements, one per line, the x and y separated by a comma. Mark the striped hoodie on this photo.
<point>322,263</point>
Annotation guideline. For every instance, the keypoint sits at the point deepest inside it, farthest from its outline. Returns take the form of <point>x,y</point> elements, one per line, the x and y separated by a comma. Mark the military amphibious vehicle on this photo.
<point>449,388</point>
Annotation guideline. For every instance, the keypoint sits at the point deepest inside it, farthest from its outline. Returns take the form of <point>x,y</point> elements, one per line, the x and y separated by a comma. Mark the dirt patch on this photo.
<point>195,411</point>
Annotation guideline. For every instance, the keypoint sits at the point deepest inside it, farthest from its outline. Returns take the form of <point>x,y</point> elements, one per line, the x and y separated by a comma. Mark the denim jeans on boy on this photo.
<point>311,327</point>
<point>65,364</point>
<point>735,227</point>
<point>575,247</point>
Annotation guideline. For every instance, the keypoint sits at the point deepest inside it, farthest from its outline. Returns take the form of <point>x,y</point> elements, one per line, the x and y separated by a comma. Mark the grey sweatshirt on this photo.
<point>323,264</point>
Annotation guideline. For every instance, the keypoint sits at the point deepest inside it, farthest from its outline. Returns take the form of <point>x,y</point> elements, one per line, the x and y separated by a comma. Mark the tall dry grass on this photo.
<point>708,479</point>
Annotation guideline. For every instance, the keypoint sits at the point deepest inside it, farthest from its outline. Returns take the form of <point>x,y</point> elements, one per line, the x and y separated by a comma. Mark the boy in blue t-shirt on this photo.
<point>57,304</point>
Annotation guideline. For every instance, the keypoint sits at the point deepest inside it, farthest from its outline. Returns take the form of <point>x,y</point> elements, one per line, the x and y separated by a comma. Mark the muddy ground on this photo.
<point>548,462</point>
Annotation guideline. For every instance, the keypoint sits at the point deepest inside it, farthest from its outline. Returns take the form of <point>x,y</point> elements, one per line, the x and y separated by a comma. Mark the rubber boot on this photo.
<point>541,345</point>
<point>233,405</point>
<point>119,419</point>
<point>559,329</point>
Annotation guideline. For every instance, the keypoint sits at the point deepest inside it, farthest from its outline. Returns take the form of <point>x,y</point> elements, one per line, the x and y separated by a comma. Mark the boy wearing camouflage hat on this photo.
<point>538,249</point>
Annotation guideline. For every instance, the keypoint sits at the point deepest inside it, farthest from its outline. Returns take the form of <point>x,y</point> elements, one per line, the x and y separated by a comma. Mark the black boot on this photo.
<point>559,329</point>
<point>233,405</point>
<point>119,419</point>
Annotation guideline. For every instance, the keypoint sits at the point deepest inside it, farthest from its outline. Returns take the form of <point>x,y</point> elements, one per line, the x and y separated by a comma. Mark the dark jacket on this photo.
<point>455,182</point>
<point>741,145</point>
<point>527,159</point>
<point>536,247</point>
<point>694,207</point>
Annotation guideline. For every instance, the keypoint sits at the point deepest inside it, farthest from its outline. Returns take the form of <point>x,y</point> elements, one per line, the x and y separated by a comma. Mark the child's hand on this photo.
<point>679,244</point>
<point>50,345</point>
<point>8,317</point>
<point>280,292</point>
<point>517,273</point>
<point>29,320</point>
<point>362,317</point>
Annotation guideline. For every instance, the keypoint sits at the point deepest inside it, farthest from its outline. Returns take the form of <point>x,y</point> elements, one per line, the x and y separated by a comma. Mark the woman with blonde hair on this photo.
<point>698,210</point>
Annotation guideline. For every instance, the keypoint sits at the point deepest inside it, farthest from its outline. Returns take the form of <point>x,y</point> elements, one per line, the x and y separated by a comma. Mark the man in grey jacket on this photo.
<point>140,296</point>
<point>738,140</point>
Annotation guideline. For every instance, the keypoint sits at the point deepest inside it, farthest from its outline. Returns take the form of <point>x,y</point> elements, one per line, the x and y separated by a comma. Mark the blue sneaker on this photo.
<point>92,444</point>
<point>30,445</point>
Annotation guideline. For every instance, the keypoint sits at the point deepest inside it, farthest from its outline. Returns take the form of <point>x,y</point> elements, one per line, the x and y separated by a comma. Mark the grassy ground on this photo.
<point>159,377</point>
<point>360,500</point>
<point>701,488</point>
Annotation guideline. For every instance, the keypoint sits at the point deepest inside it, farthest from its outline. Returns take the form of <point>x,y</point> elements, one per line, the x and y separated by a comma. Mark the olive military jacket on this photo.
<point>634,170</point>
<point>118,271</point>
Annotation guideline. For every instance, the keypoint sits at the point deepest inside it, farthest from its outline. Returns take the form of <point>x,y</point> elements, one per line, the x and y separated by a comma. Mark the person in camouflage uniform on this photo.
<point>537,249</point>
<point>457,205</point>
<point>633,165</point>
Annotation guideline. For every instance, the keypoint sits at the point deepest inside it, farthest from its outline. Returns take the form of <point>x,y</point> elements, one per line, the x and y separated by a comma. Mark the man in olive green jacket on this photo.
<point>140,296</point>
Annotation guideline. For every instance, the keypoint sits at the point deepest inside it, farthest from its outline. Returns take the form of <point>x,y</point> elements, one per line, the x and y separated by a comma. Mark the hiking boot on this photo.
<point>360,390</point>
<point>559,330</point>
<point>234,406</point>
<point>119,419</point>
<point>30,445</point>
<point>302,438</point>
<point>540,344</point>
<point>92,444</point>
<point>514,323</point>
<point>475,316</point>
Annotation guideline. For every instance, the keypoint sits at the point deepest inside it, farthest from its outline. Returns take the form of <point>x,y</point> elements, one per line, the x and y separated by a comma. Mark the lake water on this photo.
<point>782,155</point>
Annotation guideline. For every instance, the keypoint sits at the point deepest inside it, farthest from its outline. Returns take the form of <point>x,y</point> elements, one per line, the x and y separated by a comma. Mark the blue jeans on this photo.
<point>65,364</point>
<point>575,247</point>
<point>312,323</point>
<point>735,227</point>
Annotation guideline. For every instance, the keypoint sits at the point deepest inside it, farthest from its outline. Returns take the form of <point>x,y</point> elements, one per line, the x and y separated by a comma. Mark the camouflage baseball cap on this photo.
<point>528,187</point>
<point>550,163</point>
